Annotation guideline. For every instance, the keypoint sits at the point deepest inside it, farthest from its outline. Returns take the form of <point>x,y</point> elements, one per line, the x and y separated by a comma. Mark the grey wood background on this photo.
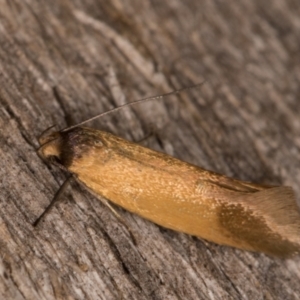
<point>64,61</point>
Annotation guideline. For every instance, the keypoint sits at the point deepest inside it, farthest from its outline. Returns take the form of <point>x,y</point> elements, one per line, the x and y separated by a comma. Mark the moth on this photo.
<point>175,194</point>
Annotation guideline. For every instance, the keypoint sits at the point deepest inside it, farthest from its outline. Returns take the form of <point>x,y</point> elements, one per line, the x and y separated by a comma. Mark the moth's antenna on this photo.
<point>133,103</point>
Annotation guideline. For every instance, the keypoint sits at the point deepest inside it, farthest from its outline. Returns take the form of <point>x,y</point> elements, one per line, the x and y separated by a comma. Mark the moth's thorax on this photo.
<point>73,148</point>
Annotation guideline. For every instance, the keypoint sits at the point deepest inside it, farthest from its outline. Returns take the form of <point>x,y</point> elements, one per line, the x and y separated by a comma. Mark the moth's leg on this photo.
<point>107,204</point>
<point>146,137</point>
<point>119,218</point>
<point>153,132</point>
<point>55,199</point>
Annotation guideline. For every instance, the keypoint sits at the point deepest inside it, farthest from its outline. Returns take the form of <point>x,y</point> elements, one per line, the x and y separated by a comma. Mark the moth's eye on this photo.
<point>55,159</point>
<point>98,143</point>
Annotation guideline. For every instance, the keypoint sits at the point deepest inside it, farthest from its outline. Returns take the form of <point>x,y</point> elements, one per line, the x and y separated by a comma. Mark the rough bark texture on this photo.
<point>63,61</point>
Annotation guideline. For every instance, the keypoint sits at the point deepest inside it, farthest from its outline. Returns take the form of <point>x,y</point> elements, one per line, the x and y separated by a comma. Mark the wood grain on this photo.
<point>64,61</point>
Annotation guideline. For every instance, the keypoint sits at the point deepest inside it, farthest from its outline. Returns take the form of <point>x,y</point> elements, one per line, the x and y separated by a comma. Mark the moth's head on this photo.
<point>50,146</point>
<point>68,147</point>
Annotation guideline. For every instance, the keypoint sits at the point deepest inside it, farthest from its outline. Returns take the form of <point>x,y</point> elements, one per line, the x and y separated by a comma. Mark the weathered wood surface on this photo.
<point>244,122</point>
